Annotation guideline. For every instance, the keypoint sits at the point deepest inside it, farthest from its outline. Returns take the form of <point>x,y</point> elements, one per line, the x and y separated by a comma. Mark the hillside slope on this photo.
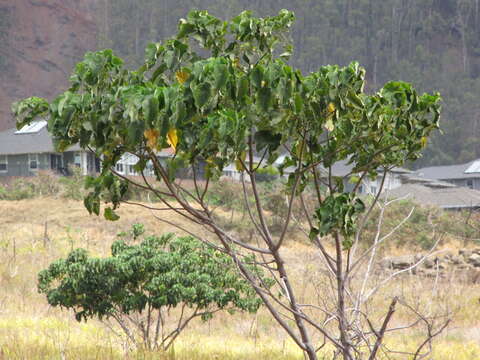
<point>432,43</point>
<point>41,41</point>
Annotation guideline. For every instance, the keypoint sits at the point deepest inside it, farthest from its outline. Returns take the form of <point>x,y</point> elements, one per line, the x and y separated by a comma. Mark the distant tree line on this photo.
<point>5,24</point>
<point>431,43</point>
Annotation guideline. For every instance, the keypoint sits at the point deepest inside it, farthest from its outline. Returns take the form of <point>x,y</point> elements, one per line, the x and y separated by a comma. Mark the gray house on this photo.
<point>465,175</point>
<point>393,178</point>
<point>26,151</point>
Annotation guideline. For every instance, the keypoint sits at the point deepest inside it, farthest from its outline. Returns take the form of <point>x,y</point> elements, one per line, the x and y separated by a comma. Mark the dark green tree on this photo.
<point>139,285</point>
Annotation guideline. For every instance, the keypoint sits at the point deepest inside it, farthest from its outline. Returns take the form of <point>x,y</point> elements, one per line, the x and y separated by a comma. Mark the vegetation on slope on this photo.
<point>430,43</point>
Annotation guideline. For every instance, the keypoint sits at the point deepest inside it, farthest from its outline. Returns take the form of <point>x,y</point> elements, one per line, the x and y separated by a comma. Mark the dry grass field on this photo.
<point>35,232</point>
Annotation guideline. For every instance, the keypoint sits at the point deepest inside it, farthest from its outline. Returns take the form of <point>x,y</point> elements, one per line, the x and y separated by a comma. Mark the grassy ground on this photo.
<point>35,232</point>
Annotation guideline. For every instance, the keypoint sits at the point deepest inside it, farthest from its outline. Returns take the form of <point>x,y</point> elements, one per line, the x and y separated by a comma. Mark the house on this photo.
<point>26,151</point>
<point>231,172</point>
<point>465,175</point>
<point>126,165</point>
<point>444,195</point>
<point>343,169</point>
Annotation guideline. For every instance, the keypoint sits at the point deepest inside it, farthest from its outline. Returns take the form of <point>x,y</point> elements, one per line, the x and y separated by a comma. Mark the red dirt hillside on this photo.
<point>45,38</point>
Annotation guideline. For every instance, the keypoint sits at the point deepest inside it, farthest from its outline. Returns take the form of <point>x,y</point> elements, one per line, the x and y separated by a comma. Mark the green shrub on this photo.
<point>21,189</point>
<point>267,173</point>
<point>3,192</point>
<point>73,186</point>
<point>138,283</point>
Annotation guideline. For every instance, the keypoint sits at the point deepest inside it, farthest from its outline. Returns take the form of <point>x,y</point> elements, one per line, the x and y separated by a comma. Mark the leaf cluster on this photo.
<point>338,212</point>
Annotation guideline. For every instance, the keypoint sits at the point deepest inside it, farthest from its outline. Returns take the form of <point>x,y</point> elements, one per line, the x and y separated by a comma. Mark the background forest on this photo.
<point>432,43</point>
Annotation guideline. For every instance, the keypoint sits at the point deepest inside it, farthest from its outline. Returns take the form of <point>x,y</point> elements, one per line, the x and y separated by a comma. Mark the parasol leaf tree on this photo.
<point>222,92</point>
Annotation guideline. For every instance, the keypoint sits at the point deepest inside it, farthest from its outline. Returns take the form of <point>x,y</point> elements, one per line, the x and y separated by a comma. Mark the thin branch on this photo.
<point>383,329</point>
<point>292,197</point>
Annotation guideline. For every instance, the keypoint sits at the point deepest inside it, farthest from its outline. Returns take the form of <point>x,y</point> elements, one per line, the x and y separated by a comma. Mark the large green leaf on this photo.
<point>150,109</point>
<point>220,74</point>
<point>201,94</point>
<point>110,214</point>
<point>267,139</point>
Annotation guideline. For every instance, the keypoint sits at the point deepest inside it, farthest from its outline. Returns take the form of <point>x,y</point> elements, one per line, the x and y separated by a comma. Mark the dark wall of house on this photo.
<point>68,158</point>
<point>44,161</point>
<point>18,165</point>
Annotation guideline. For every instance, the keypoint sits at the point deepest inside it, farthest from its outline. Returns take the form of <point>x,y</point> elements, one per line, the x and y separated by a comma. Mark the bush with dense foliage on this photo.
<point>139,284</point>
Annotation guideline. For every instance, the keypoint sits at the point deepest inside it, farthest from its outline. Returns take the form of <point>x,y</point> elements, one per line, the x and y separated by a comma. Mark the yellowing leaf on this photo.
<point>354,179</point>
<point>331,108</point>
<point>423,141</point>
<point>238,163</point>
<point>152,138</point>
<point>236,63</point>
<point>172,138</point>
<point>329,124</point>
<point>298,147</point>
<point>182,76</point>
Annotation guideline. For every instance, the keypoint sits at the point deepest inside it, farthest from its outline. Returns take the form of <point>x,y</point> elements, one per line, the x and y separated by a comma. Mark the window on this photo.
<point>119,168</point>
<point>90,162</point>
<point>77,159</point>
<point>470,183</point>
<point>98,164</point>
<point>33,162</point>
<point>373,190</point>
<point>55,162</point>
<point>360,189</point>
<point>3,163</point>
<point>149,170</point>
<point>131,170</point>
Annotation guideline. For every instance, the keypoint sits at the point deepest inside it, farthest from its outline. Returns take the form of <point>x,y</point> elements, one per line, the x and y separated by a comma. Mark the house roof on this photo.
<point>452,197</point>
<point>415,179</point>
<point>343,168</point>
<point>13,143</point>
<point>449,172</point>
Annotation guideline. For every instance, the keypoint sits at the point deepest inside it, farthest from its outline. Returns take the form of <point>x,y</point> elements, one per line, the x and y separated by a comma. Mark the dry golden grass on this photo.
<point>35,232</point>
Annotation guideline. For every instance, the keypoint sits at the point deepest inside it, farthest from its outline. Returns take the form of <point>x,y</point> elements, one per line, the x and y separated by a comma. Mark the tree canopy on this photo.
<point>150,277</point>
<point>211,104</point>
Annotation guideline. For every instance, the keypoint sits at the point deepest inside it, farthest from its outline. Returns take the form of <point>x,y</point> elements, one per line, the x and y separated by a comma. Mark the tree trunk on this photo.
<point>137,30</point>
<point>369,56</point>
<point>463,19</point>
<point>342,317</point>
<point>309,349</point>
<point>151,24</point>
<point>394,34</point>
<point>346,13</point>
<point>476,15</point>
<point>106,23</point>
